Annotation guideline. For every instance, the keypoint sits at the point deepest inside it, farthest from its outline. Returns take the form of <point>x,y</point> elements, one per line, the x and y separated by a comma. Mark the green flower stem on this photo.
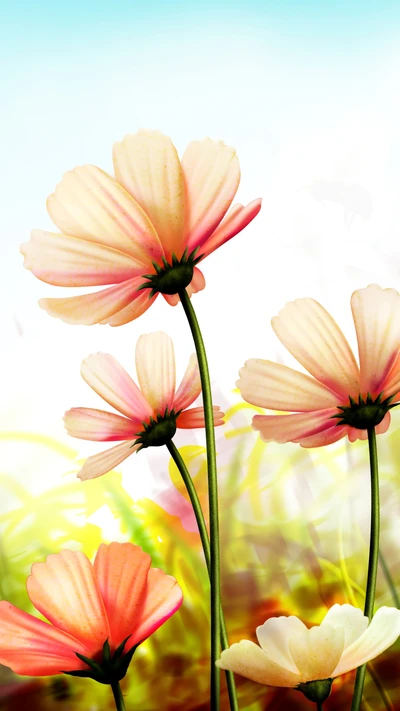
<point>119,699</point>
<point>212,496</point>
<point>389,580</point>
<point>187,479</point>
<point>373,558</point>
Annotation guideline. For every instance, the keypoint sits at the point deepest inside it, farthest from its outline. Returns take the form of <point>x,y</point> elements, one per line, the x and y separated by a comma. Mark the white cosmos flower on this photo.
<point>290,654</point>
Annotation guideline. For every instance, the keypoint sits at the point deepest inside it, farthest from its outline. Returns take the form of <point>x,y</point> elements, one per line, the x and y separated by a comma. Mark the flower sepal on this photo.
<point>171,278</point>
<point>317,691</point>
<point>365,413</point>
<point>158,431</point>
<point>111,668</point>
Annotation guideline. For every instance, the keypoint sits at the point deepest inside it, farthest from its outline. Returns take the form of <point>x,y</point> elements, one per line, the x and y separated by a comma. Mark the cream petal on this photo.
<point>147,165</point>
<point>376,314</point>
<point>90,204</point>
<point>311,335</point>
<point>277,387</point>
<point>103,373</point>
<point>65,591</point>
<point>32,647</point>
<point>99,306</point>
<point>235,221</point>
<point>351,619</point>
<point>317,651</point>
<point>274,636</point>
<point>104,462</point>
<point>69,261</point>
<point>155,368</point>
<point>99,426</point>
<point>249,660</point>
<point>121,571</point>
<point>211,175</point>
<point>193,418</point>
<point>190,387</point>
<point>381,633</point>
<point>132,311</point>
<point>293,428</point>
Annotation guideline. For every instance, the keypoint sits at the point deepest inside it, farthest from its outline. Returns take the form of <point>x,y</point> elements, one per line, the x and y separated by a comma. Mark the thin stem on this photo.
<point>119,699</point>
<point>212,496</point>
<point>373,558</point>
<point>389,580</point>
<point>187,479</point>
<point>319,706</point>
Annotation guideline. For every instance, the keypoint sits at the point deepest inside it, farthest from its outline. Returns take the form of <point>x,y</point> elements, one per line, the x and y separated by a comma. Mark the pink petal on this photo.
<point>383,427</point>
<point>147,165</point>
<point>99,426</point>
<point>325,437</point>
<point>64,589</point>
<point>163,598</point>
<point>190,387</point>
<point>277,387</point>
<point>109,379</point>
<point>311,335</point>
<point>32,647</point>
<point>235,221</point>
<point>96,307</point>
<point>90,204</point>
<point>376,314</point>
<point>132,311</point>
<point>121,570</point>
<point>197,284</point>
<point>294,428</point>
<point>211,174</point>
<point>104,462</point>
<point>155,369</point>
<point>68,261</point>
<point>191,419</point>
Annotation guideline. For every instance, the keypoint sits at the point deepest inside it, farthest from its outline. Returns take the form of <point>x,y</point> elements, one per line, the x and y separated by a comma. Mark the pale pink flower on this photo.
<point>311,335</point>
<point>290,654</point>
<point>118,597</point>
<point>113,230</point>
<point>155,404</point>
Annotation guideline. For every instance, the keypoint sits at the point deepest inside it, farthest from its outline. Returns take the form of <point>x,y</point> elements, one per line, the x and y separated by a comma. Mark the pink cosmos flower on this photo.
<point>119,596</point>
<point>327,406</point>
<point>150,414</point>
<point>114,231</point>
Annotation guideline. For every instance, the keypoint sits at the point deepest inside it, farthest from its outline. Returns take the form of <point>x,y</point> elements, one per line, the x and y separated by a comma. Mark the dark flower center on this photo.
<point>106,668</point>
<point>158,431</point>
<point>317,691</point>
<point>365,413</point>
<point>172,278</point>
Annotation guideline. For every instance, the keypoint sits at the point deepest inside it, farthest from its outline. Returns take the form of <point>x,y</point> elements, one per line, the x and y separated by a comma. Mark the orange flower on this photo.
<point>341,398</point>
<point>120,597</point>
<point>155,221</point>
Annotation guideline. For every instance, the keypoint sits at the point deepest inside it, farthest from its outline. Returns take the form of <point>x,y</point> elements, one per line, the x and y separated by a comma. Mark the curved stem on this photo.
<point>373,558</point>
<point>187,479</point>
<point>389,580</point>
<point>119,699</point>
<point>212,496</point>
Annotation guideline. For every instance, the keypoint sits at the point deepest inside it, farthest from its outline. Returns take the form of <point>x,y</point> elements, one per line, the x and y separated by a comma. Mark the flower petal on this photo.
<point>311,335</point>
<point>90,204</point>
<point>155,369</point>
<point>325,437</point>
<point>190,387</point>
<point>355,434</point>
<point>33,647</point>
<point>249,660</point>
<point>376,314</point>
<point>163,598</point>
<point>350,618</point>
<point>317,651</point>
<point>103,373</point>
<point>381,633</point>
<point>235,221</point>
<point>193,418</point>
<point>274,636</point>
<point>147,165</point>
<point>99,426</point>
<point>211,174</point>
<point>278,387</point>
<point>132,311</point>
<point>69,261</point>
<point>104,462</point>
<point>97,307</point>
<point>65,591</point>
<point>294,428</point>
<point>121,570</point>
